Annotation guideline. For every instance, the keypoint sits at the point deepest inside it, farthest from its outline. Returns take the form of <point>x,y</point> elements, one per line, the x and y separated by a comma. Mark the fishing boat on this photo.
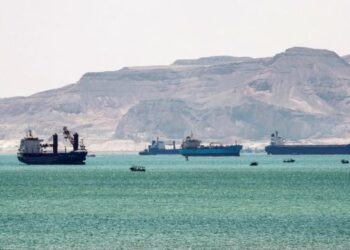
<point>135,168</point>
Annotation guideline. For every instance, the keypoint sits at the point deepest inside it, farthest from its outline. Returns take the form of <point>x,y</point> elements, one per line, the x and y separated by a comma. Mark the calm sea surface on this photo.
<point>203,203</point>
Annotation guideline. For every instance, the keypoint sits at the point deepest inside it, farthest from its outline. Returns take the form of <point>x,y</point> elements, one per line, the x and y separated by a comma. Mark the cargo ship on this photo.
<point>157,147</point>
<point>193,147</point>
<point>33,150</point>
<point>278,146</point>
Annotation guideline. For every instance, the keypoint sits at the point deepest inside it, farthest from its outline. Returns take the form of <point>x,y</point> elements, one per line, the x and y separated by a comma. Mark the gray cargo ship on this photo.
<point>157,147</point>
<point>278,146</point>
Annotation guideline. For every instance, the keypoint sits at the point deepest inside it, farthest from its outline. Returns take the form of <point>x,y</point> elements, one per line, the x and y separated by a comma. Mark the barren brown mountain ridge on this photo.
<point>304,93</point>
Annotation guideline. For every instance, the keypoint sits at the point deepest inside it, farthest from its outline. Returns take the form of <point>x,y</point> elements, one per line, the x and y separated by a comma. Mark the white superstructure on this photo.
<point>30,144</point>
<point>276,139</point>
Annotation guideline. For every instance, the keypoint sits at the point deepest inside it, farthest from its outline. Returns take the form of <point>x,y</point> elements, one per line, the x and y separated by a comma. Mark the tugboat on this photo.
<point>32,150</point>
<point>157,147</point>
<point>193,147</point>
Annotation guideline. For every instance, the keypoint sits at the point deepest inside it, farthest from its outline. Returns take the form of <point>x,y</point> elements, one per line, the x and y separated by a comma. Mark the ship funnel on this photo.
<point>55,143</point>
<point>75,141</point>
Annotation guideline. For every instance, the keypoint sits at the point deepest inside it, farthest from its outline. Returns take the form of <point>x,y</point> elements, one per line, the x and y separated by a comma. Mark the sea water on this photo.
<point>203,203</point>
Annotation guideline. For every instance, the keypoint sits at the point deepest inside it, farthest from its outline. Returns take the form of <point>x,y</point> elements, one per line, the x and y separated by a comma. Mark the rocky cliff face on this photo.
<point>347,58</point>
<point>304,93</point>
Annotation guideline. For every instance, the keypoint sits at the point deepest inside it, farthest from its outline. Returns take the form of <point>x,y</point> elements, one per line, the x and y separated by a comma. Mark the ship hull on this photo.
<point>308,150</point>
<point>160,152</point>
<point>212,151</point>
<point>70,158</point>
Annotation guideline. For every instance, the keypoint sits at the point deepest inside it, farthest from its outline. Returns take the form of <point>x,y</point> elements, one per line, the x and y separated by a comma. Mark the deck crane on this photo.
<point>74,140</point>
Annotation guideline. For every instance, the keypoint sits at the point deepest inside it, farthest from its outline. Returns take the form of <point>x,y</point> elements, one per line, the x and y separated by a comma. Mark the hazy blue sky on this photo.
<point>46,44</point>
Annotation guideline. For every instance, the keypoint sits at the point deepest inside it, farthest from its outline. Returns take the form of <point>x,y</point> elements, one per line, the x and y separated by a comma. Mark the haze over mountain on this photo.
<point>304,93</point>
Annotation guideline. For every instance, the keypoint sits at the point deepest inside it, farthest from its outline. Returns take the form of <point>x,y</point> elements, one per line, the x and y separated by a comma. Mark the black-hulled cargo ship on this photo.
<point>192,147</point>
<point>279,147</point>
<point>32,150</point>
<point>157,147</point>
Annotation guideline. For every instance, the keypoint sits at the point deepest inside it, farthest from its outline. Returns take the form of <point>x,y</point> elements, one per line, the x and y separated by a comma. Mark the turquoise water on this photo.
<point>204,203</point>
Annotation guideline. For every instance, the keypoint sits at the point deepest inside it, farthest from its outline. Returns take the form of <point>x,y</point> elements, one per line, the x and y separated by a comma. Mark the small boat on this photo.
<point>254,163</point>
<point>344,161</point>
<point>289,160</point>
<point>135,168</point>
<point>91,155</point>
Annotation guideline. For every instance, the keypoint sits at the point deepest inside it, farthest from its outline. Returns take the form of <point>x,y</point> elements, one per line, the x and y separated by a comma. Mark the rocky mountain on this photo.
<point>347,58</point>
<point>304,93</point>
